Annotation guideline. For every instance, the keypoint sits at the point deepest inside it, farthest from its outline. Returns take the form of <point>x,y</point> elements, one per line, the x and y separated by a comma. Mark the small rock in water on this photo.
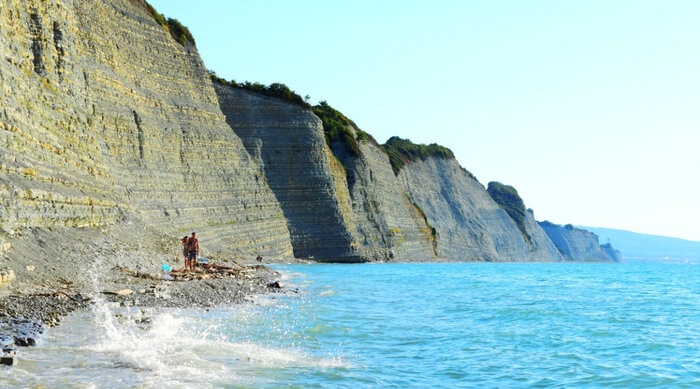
<point>25,342</point>
<point>276,285</point>
<point>8,360</point>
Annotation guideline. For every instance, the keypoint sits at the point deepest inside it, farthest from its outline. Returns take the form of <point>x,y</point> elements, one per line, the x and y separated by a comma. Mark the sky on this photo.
<point>590,109</point>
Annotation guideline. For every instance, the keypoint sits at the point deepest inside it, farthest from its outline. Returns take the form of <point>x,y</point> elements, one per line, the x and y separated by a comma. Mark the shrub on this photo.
<point>338,128</point>
<point>508,199</point>
<point>276,89</point>
<point>402,151</point>
<point>177,31</point>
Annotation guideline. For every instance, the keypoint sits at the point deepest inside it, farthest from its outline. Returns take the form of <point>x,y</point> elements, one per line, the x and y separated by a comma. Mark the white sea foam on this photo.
<point>280,357</point>
<point>327,292</point>
<point>181,349</point>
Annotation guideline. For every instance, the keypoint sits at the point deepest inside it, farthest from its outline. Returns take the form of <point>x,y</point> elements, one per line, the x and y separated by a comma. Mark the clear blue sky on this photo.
<point>591,109</point>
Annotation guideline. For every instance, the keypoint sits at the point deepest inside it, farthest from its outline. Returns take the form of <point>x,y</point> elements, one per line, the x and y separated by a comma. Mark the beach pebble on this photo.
<point>8,360</point>
<point>7,275</point>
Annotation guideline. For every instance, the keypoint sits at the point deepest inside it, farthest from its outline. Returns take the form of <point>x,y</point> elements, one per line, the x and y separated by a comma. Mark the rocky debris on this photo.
<point>213,285</point>
<point>7,275</point>
<point>16,332</point>
<point>46,309</point>
<point>24,318</point>
<point>275,285</point>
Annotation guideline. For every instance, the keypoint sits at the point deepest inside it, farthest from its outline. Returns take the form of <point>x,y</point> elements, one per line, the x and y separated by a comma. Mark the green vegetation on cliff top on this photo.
<point>402,151</point>
<point>338,128</point>
<point>179,32</point>
<point>276,89</point>
<point>508,199</point>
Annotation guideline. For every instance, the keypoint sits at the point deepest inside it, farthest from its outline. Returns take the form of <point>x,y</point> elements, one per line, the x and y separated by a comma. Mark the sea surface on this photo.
<point>398,325</point>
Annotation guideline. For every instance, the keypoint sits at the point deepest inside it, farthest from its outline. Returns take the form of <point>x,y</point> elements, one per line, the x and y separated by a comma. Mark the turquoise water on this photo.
<point>401,325</point>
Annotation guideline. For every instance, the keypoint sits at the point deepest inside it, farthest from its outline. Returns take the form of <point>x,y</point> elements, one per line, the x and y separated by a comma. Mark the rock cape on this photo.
<point>579,245</point>
<point>470,224</point>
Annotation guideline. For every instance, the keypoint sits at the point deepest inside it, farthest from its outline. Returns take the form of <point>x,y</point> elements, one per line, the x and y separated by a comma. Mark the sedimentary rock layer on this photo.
<point>577,244</point>
<point>106,118</point>
<point>354,210</point>
<point>288,140</point>
<point>388,224</point>
<point>469,223</point>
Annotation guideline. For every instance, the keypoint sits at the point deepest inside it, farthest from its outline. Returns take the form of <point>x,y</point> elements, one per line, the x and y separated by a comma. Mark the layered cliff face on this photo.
<point>338,206</point>
<point>614,254</point>
<point>509,200</point>
<point>579,245</point>
<point>105,118</point>
<point>389,225</point>
<point>470,225</point>
<point>288,140</point>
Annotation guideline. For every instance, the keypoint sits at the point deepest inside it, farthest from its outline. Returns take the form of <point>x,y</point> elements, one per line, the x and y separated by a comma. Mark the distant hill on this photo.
<point>642,246</point>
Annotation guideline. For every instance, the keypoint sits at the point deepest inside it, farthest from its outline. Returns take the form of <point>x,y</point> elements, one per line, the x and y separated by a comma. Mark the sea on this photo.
<point>446,325</point>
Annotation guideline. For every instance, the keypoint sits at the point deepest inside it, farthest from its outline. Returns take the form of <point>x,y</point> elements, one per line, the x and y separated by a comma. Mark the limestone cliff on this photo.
<point>338,206</point>
<point>577,244</point>
<point>109,119</point>
<point>389,225</point>
<point>469,224</point>
<point>613,253</point>
<point>105,118</point>
<point>288,140</point>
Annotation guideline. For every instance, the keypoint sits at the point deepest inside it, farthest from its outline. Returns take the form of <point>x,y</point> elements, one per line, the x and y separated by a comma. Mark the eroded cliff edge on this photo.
<point>106,119</point>
<point>339,206</point>
<point>579,245</point>
<point>470,224</point>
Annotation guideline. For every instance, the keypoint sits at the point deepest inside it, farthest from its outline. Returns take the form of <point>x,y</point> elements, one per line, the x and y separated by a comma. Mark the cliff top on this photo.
<point>179,32</point>
<point>509,200</point>
<point>276,89</point>
<point>568,227</point>
<point>337,127</point>
<point>402,151</point>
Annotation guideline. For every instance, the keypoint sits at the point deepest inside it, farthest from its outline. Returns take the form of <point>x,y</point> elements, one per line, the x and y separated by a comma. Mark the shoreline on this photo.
<point>25,317</point>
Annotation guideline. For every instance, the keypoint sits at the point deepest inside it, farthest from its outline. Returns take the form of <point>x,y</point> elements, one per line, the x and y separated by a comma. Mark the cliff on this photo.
<point>579,245</point>
<point>470,225</point>
<point>338,205</point>
<point>107,119</point>
<point>109,122</point>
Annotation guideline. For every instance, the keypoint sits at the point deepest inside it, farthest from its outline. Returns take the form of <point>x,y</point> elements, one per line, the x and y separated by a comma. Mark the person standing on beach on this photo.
<point>193,251</point>
<point>185,242</point>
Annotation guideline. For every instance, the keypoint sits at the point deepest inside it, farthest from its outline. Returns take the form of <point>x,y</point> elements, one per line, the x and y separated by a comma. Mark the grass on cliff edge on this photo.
<point>401,151</point>
<point>509,200</point>
<point>179,32</point>
<point>338,128</point>
<point>276,89</point>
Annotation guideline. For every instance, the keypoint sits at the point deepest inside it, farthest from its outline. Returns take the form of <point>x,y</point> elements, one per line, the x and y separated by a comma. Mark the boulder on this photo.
<point>7,275</point>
